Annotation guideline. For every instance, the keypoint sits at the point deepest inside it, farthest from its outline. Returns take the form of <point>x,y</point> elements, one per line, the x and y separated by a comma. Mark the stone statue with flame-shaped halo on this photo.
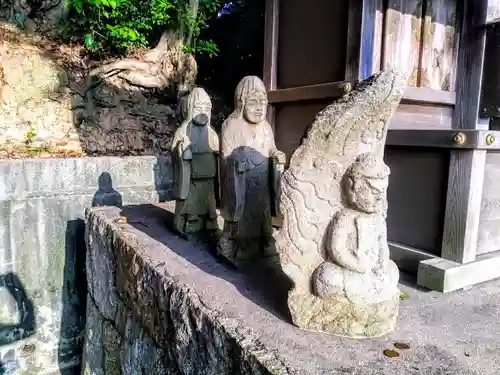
<point>250,171</point>
<point>333,242</point>
<point>194,155</point>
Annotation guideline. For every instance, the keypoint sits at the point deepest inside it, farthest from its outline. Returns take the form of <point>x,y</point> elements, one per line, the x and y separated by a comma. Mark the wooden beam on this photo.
<point>471,139</point>
<point>470,63</point>
<point>334,90</point>
<point>466,172</point>
<point>331,90</point>
<point>463,205</point>
<point>424,95</point>
<point>270,74</point>
<point>271,27</point>
<point>490,93</point>
<point>408,258</point>
<point>447,276</point>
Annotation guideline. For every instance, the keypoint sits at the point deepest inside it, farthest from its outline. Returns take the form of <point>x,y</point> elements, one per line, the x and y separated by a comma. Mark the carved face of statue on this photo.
<point>369,194</point>
<point>367,184</point>
<point>201,113</point>
<point>255,107</point>
<point>197,107</point>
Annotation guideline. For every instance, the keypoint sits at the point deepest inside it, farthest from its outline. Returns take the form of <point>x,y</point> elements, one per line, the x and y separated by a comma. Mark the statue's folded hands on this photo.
<point>279,157</point>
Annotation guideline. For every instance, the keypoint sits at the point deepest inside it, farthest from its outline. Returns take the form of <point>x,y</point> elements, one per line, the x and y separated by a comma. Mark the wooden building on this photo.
<point>444,208</point>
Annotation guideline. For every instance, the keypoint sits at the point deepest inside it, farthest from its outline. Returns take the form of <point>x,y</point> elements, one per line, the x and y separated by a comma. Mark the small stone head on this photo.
<point>366,184</point>
<point>251,99</point>
<point>198,107</point>
<point>105,182</point>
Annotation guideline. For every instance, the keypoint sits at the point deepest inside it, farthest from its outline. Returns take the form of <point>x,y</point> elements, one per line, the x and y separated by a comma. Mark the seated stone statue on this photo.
<point>332,243</point>
<point>357,262</point>
<point>194,156</point>
<point>250,171</point>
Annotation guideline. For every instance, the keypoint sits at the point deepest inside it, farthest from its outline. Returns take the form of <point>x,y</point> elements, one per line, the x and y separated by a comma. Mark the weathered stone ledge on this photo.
<point>133,298</point>
<point>160,305</point>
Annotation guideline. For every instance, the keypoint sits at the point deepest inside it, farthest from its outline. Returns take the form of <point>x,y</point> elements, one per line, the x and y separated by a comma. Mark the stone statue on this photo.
<point>333,243</point>
<point>250,172</point>
<point>106,195</point>
<point>194,155</point>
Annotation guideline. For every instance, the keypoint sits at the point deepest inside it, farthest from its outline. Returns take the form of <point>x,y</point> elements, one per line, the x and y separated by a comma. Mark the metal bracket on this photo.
<point>449,138</point>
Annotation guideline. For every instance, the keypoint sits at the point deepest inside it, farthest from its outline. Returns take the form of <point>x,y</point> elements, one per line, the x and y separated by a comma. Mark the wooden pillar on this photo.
<point>270,75</point>
<point>466,172</point>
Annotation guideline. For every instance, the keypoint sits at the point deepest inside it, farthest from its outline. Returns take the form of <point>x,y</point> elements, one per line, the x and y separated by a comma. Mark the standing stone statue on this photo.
<point>333,243</point>
<point>194,156</point>
<point>250,171</point>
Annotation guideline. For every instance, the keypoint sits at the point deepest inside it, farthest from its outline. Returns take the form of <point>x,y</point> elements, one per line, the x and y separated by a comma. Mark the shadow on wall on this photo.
<point>11,333</point>
<point>160,170</point>
<point>74,290</point>
<point>74,298</point>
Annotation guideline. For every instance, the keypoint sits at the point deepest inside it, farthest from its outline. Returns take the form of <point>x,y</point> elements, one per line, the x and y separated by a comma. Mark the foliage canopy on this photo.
<point>112,26</point>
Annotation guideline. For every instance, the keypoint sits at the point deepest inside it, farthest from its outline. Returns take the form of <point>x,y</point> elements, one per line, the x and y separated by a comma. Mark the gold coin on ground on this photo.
<point>391,353</point>
<point>403,295</point>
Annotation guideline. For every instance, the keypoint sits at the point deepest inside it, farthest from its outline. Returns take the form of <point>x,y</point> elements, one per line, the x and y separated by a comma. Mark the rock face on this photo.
<point>123,113</point>
<point>50,102</point>
<point>333,199</point>
<point>29,112</point>
<point>250,163</point>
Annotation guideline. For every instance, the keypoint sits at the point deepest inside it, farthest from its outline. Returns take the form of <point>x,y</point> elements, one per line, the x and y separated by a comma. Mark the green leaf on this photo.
<point>89,41</point>
<point>78,5</point>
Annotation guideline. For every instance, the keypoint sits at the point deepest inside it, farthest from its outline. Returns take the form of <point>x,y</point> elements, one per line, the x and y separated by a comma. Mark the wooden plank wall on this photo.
<point>493,10</point>
<point>402,37</point>
<point>419,38</point>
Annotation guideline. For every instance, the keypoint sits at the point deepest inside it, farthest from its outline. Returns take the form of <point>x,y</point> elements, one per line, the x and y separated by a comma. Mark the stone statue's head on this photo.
<point>250,99</point>
<point>198,107</point>
<point>105,181</point>
<point>366,184</point>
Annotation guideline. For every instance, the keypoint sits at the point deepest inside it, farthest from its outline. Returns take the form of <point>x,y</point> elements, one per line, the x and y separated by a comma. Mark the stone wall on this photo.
<point>42,250</point>
<point>143,319</point>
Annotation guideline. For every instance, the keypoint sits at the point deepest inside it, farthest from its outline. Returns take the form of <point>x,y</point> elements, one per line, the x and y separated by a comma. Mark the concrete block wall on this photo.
<point>42,250</point>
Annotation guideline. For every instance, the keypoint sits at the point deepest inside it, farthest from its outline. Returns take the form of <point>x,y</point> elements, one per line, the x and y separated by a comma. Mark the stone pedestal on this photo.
<point>339,315</point>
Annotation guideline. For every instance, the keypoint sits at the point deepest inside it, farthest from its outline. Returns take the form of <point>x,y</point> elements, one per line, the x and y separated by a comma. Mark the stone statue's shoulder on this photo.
<point>213,139</point>
<point>181,130</point>
<point>179,135</point>
<point>230,122</point>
